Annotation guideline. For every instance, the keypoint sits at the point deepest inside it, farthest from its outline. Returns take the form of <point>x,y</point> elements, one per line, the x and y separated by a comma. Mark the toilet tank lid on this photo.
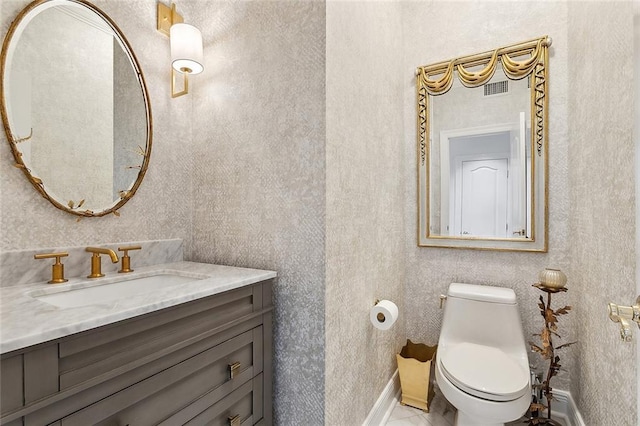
<point>482,293</point>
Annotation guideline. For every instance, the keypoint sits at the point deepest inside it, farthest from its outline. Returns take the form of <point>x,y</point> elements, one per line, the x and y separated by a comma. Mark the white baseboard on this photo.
<point>564,406</point>
<point>385,404</point>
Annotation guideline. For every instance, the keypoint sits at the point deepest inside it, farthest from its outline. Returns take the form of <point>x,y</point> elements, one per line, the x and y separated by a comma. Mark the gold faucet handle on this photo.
<point>57,269</point>
<point>126,260</point>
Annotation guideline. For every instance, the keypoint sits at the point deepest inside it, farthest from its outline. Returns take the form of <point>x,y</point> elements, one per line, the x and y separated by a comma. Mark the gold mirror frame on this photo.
<point>37,183</point>
<point>535,65</point>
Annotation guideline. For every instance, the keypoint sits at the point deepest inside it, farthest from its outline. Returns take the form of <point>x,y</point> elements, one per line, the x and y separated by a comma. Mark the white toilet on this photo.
<point>482,367</point>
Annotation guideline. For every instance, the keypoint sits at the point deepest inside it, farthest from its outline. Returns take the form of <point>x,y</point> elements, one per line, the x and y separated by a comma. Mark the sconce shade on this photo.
<point>186,48</point>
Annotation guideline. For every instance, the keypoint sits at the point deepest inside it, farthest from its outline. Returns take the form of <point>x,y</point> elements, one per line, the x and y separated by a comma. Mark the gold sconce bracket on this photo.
<point>167,16</point>
<point>185,84</point>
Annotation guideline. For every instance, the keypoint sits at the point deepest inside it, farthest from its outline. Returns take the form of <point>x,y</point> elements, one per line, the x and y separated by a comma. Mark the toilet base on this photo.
<point>473,411</point>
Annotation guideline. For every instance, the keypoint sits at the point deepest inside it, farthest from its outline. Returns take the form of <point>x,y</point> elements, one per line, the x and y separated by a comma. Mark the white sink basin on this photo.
<point>112,290</point>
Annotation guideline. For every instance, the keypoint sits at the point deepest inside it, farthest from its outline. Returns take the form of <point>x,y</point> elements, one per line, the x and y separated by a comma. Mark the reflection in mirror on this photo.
<point>482,183</point>
<point>75,108</point>
<point>478,161</point>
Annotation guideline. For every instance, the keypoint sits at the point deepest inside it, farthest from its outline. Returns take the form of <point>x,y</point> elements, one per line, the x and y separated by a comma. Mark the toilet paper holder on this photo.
<point>384,314</point>
<point>380,316</point>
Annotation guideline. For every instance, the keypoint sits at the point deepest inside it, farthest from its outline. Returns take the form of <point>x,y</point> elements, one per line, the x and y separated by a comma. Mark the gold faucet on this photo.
<point>96,263</point>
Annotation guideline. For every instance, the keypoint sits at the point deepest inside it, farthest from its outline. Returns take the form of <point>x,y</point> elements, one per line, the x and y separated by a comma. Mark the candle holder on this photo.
<point>547,350</point>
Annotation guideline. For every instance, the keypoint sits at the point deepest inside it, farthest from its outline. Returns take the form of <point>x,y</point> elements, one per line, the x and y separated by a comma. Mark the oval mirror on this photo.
<point>482,150</point>
<point>75,106</point>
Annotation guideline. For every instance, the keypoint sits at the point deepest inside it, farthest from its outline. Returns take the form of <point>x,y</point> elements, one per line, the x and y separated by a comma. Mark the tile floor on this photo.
<point>441,414</point>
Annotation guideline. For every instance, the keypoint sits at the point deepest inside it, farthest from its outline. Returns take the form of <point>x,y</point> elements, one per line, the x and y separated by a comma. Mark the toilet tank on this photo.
<point>481,314</point>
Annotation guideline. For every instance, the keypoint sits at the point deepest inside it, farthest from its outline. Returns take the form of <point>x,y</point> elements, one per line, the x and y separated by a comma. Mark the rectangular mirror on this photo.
<point>482,150</point>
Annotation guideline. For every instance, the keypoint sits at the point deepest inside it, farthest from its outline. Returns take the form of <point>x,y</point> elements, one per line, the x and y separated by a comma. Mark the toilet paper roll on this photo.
<point>384,314</point>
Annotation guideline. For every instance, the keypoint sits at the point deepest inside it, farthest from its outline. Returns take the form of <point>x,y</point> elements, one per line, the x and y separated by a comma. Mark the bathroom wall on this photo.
<point>436,31</point>
<point>259,173</point>
<point>364,203</point>
<point>161,207</point>
<point>602,208</point>
<point>636,137</point>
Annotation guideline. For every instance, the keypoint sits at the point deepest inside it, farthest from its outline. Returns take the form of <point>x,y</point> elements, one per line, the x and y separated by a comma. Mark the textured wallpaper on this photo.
<point>365,203</point>
<point>161,208</point>
<point>436,31</point>
<point>602,227</point>
<point>296,151</point>
<point>259,173</point>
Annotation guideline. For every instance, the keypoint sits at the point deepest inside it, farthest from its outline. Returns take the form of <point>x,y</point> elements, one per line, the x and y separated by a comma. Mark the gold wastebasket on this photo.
<point>415,367</point>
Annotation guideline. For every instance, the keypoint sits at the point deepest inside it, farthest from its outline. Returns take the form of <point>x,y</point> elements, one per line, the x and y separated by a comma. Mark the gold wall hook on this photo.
<point>57,269</point>
<point>624,315</point>
<point>625,330</point>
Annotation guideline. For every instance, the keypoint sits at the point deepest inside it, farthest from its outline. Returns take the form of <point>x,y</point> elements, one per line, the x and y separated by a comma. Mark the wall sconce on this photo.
<point>186,46</point>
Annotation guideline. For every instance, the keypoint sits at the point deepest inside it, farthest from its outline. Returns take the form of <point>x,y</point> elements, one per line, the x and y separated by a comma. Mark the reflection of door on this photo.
<point>483,198</point>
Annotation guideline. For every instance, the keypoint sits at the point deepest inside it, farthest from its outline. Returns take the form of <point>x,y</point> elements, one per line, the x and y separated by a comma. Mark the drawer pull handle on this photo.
<point>234,421</point>
<point>234,369</point>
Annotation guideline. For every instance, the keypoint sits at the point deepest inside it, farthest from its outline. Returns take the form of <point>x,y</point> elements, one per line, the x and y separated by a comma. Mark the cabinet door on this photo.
<point>11,383</point>
<point>170,391</point>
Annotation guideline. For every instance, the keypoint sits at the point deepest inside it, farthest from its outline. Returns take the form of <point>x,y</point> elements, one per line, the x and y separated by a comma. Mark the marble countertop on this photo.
<point>26,321</point>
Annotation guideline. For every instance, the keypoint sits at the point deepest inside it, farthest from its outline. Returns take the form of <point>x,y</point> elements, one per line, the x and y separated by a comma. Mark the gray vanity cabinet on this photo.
<point>205,362</point>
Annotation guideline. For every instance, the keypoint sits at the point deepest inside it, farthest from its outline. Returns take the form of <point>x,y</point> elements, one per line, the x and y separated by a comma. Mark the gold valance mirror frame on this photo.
<point>482,150</point>
<point>75,106</point>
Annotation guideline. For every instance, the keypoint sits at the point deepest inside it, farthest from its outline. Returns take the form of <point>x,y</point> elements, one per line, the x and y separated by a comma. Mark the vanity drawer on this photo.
<point>98,352</point>
<point>242,407</point>
<point>165,394</point>
<point>107,388</point>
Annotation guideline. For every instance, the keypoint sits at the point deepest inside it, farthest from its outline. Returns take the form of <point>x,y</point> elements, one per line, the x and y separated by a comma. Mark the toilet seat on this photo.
<point>484,371</point>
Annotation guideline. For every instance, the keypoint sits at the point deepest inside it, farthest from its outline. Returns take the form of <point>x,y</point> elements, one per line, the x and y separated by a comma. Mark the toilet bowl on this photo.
<point>481,365</point>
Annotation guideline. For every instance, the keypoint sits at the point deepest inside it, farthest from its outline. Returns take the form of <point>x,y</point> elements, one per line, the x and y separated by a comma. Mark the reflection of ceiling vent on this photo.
<point>496,88</point>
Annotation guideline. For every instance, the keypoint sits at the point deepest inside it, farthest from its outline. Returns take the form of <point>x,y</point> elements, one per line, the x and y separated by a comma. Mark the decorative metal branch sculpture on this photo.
<point>547,350</point>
